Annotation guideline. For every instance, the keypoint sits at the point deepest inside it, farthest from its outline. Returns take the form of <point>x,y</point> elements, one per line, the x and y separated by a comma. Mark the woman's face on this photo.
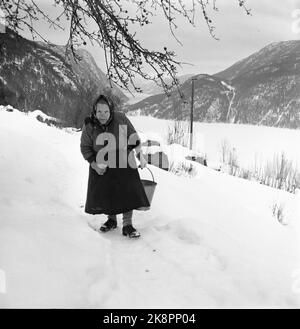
<point>102,112</point>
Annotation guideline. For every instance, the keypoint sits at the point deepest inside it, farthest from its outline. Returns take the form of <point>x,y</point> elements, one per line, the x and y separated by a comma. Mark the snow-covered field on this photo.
<point>251,143</point>
<point>209,241</point>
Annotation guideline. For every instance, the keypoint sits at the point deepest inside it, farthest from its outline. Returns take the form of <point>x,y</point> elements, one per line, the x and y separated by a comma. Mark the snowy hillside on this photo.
<point>209,241</point>
<point>38,75</point>
<point>262,89</point>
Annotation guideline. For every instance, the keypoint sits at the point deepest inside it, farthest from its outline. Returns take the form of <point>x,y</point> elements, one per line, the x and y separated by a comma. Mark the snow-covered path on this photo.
<point>206,242</point>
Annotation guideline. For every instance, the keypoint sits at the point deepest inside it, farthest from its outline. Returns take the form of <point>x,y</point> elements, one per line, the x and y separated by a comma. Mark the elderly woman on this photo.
<point>110,143</point>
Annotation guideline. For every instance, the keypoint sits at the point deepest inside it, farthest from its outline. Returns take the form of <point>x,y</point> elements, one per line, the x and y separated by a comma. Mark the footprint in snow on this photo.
<point>190,237</point>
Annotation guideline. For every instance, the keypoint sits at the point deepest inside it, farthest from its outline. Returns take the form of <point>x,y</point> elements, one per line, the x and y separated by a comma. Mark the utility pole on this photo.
<point>192,114</point>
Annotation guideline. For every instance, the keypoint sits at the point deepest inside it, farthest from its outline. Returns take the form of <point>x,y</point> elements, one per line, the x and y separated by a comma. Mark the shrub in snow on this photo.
<point>40,118</point>
<point>197,158</point>
<point>178,133</point>
<point>225,147</point>
<point>280,173</point>
<point>233,162</point>
<point>7,108</point>
<point>49,122</point>
<point>278,212</point>
<point>183,169</point>
<point>229,158</point>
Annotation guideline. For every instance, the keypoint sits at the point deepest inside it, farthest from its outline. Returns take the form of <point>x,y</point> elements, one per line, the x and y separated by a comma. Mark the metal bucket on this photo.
<point>149,187</point>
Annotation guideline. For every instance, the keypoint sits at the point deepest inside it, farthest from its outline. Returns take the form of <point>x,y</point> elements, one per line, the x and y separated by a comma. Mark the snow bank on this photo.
<point>41,114</point>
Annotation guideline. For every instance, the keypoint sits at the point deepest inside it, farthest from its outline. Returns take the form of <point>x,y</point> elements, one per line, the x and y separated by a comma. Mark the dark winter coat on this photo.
<point>119,189</point>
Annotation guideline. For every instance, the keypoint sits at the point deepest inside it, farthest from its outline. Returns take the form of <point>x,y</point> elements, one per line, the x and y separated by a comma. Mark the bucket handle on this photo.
<point>150,172</point>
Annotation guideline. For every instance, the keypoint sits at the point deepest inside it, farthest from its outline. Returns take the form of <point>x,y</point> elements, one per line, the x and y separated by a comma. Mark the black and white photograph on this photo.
<point>149,155</point>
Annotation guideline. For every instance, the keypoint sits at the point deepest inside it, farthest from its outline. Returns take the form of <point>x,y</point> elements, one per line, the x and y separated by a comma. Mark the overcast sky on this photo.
<point>240,35</point>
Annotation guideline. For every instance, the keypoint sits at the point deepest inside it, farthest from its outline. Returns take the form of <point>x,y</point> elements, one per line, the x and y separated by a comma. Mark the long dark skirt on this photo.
<point>117,191</point>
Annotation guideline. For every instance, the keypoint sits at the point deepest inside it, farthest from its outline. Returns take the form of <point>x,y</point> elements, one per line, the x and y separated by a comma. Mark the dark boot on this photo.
<point>130,231</point>
<point>110,224</point>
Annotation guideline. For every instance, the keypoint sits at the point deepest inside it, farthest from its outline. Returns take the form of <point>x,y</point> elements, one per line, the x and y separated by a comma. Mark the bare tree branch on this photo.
<point>115,32</point>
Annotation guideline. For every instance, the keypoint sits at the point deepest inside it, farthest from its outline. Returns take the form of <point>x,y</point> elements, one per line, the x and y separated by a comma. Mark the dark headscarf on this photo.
<point>102,99</point>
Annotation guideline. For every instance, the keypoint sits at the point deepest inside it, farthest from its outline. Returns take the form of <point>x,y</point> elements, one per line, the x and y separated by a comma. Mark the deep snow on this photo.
<point>209,241</point>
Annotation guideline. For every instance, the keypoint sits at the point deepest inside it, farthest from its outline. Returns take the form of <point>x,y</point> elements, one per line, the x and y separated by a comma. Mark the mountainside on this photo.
<point>38,76</point>
<point>212,98</point>
<point>280,53</point>
<point>150,87</point>
<point>263,88</point>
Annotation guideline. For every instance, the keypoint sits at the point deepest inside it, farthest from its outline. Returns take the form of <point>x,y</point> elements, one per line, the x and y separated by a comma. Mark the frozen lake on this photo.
<point>250,141</point>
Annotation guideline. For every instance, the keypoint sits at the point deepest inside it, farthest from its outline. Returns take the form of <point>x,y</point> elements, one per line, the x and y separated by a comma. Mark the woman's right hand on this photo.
<point>99,170</point>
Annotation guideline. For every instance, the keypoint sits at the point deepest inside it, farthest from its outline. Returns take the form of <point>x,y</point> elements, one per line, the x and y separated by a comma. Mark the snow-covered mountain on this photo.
<point>192,253</point>
<point>267,86</point>
<point>281,53</point>
<point>35,75</point>
<point>211,102</point>
<point>149,87</point>
<point>262,89</point>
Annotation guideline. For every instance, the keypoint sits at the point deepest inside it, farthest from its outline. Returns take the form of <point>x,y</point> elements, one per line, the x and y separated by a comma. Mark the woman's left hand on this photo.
<point>143,162</point>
